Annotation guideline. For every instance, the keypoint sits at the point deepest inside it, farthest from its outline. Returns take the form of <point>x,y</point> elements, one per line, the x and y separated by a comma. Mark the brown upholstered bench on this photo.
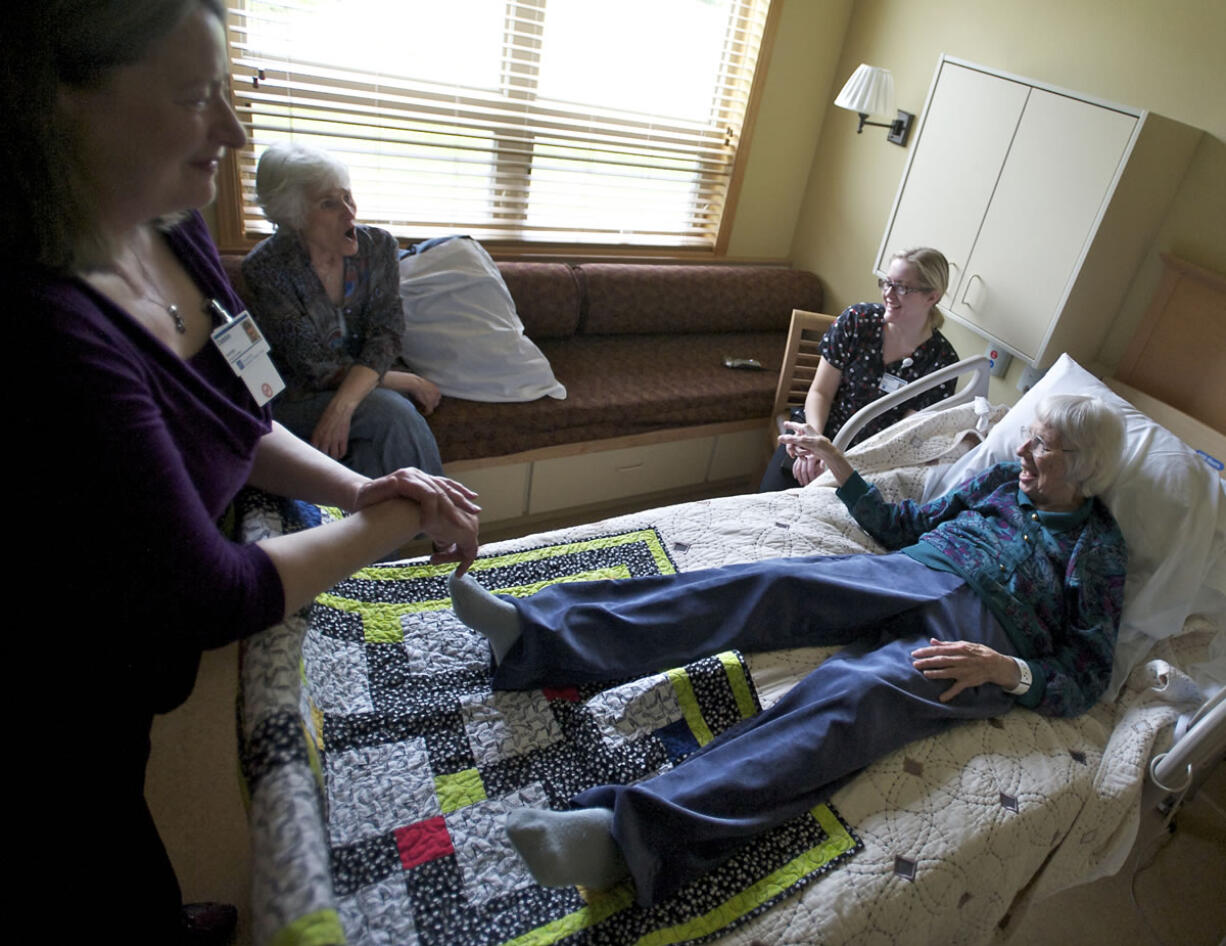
<point>640,349</point>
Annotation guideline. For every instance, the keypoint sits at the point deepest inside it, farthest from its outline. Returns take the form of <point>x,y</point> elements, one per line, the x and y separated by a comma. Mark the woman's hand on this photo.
<point>809,443</point>
<point>806,469</point>
<point>448,513</point>
<point>331,433</point>
<point>423,391</point>
<point>966,663</point>
<point>411,483</point>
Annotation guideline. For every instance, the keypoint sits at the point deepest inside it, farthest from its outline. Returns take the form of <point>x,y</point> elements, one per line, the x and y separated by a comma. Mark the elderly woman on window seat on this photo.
<point>1006,591</point>
<point>326,291</point>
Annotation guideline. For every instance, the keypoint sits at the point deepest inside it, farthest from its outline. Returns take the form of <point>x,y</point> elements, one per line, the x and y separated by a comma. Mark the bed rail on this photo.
<point>1193,756</point>
<point>977,365</point>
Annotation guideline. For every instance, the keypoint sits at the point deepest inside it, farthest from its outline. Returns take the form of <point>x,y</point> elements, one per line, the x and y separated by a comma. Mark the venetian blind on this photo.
<point>566,121</point>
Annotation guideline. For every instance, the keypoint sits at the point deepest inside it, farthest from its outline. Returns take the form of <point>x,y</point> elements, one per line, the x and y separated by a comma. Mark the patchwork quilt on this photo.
<point>380,765</point>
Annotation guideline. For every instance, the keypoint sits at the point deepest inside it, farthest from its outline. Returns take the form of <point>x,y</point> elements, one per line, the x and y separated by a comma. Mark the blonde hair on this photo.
<point>933,269</point>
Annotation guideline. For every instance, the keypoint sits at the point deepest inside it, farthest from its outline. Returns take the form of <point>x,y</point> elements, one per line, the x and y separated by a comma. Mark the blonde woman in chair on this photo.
<point>869,351</point>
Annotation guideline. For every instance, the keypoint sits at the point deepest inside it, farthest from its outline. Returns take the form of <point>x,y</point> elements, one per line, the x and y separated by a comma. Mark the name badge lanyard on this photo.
<point>245,349</point>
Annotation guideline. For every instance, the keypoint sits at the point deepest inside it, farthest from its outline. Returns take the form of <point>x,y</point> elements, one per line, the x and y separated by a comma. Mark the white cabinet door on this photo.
<point>1055,182</point>
<point>959,152</point>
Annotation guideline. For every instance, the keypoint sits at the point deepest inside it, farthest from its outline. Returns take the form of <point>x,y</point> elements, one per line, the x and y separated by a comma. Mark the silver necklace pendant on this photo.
<point>173,311</point>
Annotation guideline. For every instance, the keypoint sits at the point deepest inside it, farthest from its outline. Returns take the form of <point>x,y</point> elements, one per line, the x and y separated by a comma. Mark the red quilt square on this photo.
<point>423,841</point>
<point>570,694</point>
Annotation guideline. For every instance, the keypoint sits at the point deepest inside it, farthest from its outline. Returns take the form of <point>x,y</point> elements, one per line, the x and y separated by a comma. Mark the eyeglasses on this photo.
<point>885,286</point>
<point>1037,445</point>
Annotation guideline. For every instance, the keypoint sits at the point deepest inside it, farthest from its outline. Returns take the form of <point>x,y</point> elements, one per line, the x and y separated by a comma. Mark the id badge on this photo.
<point>245,349</point>
<point>891,383</point>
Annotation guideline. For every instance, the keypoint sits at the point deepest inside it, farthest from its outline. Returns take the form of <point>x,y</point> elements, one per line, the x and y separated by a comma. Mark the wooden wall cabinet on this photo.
<point>1044,202</point>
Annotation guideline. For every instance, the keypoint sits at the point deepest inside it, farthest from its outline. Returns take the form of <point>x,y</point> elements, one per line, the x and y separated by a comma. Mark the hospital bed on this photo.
<point>380,766</point>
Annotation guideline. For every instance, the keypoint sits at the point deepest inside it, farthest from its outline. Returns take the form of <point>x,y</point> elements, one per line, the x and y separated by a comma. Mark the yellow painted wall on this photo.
<point>801,79</point>
<point>1162,56</point>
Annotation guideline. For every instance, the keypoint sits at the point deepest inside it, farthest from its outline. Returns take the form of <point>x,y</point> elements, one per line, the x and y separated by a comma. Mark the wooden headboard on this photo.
<point>1178,354</point>
<point>1196,434</point>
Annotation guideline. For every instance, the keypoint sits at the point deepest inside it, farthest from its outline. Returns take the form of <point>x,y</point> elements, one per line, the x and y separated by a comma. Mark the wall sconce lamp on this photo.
<point>870,91</point>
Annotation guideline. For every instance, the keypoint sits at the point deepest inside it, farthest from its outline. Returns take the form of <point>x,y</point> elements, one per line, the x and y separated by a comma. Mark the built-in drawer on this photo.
<point>737,454</point>
<point>562,482</point>
<point>503,489</point>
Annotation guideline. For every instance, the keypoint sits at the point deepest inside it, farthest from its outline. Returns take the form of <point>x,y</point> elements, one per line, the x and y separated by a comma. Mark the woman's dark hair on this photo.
<point>50,220</point>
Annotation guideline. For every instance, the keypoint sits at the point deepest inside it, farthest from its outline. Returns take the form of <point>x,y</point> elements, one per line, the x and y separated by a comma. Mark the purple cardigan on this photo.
<point>138,455</point>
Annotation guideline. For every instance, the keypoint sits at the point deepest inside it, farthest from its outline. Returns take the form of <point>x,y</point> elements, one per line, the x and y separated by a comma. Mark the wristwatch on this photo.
<point>1027,678</point>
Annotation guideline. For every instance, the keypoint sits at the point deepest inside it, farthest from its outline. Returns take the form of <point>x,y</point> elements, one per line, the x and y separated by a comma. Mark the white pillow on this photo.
<point>461,330</point>
<point>1168,501</point>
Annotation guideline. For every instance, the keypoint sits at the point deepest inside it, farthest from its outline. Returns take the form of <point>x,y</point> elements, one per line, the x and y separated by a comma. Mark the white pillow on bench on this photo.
<point>461,330</point>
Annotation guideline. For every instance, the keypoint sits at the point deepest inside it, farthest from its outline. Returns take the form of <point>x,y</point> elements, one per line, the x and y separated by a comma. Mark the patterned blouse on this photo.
<point>1054,580</point>
<point>853,344</point>
<point>315,343</point>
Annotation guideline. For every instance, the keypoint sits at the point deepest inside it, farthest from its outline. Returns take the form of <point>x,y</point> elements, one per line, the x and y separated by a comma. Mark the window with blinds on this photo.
<point>546,121</point>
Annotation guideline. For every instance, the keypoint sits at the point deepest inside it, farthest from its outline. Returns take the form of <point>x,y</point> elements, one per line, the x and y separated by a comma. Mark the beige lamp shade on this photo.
<point>869,91</point>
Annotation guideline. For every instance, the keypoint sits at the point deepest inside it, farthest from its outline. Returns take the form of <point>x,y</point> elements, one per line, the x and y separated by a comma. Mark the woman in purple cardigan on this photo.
<point>142,423</point>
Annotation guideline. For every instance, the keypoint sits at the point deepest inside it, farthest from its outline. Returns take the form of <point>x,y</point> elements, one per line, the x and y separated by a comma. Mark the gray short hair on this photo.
<point>1093,431</point>
<point>288,175</point>
<point>933,269</point>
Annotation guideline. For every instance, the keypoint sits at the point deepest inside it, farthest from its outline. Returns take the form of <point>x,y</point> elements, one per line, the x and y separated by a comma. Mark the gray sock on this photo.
<point>491,617</point>
<point>563,848</point>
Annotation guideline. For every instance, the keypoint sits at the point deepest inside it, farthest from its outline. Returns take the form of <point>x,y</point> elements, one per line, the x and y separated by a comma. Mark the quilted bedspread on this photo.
<point>379,764</point>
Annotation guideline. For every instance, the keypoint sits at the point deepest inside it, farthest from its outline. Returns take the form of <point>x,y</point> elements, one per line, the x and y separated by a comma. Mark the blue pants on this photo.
<point>386,432</point>
<point>859,705</point>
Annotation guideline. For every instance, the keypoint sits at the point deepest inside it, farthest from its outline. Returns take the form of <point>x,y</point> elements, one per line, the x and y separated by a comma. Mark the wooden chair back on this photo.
<point>800,359</point>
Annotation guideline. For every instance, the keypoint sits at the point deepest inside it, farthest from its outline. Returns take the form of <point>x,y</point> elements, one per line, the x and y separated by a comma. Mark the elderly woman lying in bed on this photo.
<point>1005,591</point>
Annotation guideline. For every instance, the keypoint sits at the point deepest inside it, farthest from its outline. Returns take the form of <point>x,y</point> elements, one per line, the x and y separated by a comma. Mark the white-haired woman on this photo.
<point>326,291</point>
<point>871,350</point>
<point>1005,591</point>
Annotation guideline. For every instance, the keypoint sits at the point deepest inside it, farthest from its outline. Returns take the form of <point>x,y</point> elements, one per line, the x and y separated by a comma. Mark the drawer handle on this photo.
<point>627,469</point>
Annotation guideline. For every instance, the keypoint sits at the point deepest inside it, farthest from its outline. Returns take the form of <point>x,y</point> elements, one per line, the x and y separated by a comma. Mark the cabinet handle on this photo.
<point>966,292</point>
<point>627,469</point>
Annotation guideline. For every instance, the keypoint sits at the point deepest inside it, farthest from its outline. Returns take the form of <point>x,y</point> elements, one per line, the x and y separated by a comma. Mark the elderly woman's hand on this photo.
<point>797,429</point>
<point>424,392</point>
<point>331,433</point>
<point>966,663</point>
<point>802,440</point>
<point>448,513</point>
